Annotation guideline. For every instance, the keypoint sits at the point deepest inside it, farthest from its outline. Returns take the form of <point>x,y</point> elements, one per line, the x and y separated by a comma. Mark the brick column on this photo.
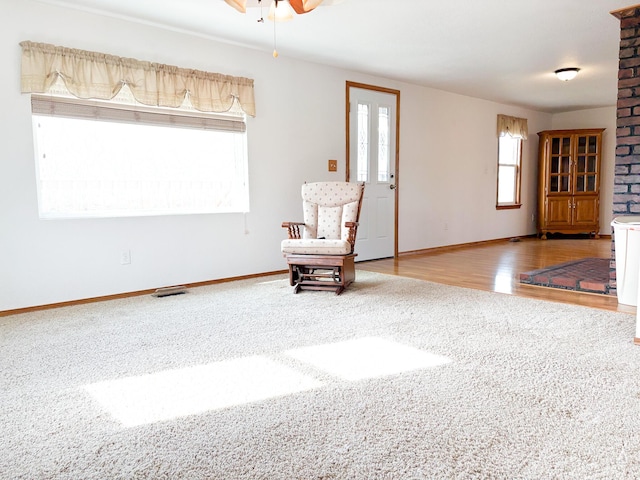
<point>626,192</point>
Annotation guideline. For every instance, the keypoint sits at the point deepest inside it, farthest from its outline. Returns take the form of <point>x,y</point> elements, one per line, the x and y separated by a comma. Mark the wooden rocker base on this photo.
<point>321,272</point>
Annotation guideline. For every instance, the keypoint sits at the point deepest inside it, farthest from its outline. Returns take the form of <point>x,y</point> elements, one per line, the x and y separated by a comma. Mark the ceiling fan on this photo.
<point>279,10</point>
<point>299,6</point>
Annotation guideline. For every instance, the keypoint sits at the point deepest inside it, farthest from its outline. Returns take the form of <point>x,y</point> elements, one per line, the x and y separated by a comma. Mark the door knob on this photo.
<point>392,187</point>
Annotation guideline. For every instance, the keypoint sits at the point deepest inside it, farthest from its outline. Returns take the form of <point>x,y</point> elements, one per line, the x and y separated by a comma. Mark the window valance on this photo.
<point>514,126</point>
<point>101,76</point>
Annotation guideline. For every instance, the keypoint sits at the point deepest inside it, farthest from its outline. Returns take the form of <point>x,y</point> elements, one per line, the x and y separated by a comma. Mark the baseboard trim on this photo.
<point>471,244</point>
<point>6,313</point>
<point>460,245</point>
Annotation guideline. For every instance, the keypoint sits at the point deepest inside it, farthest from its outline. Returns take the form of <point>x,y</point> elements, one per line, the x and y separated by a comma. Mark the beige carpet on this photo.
<point>394,379</point>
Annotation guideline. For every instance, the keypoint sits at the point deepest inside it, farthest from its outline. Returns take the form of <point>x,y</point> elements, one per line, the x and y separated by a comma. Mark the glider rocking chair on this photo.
<point>320,250</point>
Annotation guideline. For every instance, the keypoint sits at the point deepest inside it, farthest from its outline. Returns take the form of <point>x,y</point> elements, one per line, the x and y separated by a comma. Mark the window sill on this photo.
<point>508,207</point>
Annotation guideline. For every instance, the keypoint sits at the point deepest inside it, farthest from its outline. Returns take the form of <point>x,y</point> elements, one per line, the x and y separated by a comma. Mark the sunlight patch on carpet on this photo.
<point>366,358</point>
<point>176,393</point>
<point>187,391</point>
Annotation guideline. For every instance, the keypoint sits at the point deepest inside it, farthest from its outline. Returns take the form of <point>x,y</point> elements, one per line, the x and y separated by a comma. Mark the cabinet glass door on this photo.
<point>560,165</point>
<point>586,164</point>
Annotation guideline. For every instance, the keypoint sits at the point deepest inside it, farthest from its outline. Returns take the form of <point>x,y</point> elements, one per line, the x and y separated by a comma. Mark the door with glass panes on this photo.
<point>372,159</point>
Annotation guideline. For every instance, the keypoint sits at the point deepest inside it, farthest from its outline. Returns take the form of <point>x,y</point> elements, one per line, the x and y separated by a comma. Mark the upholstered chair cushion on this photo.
<point>314,246</point>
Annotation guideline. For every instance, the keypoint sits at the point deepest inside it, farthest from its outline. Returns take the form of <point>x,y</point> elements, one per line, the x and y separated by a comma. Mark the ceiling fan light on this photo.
<point>566,74</point>
<point>280,11</point>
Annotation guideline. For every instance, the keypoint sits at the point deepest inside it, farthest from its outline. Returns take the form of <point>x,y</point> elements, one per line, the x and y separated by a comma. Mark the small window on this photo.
<point>509,156</point>
<point>106,159</point>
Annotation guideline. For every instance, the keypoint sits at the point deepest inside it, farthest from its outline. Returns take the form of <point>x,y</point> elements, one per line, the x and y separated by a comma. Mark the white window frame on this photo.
<point>509,159</point>
<point>196,197</point>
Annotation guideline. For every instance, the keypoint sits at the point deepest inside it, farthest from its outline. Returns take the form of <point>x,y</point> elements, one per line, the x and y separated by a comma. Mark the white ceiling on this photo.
<point>499,50</point>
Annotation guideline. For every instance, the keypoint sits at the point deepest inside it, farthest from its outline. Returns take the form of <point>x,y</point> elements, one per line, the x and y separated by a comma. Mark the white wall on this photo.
<point>449,167</point>
<point>447,173</point>
<point>597,118</point>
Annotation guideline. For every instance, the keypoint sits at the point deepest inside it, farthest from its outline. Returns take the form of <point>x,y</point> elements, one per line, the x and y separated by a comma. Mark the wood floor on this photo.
<point>496,267</point>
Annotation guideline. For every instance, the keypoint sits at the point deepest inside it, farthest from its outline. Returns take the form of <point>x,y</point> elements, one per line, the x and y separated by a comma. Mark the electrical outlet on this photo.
<point>125,257</point>
<point>333,165</point>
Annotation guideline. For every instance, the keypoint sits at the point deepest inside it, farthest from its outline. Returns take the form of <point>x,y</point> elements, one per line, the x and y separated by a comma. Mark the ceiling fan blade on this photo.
<point>304,6</point>
<point>240,5</point>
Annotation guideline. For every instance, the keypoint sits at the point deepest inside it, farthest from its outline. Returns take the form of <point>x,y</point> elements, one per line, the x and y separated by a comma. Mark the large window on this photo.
<point>509,156</point>
<point>106,159</point>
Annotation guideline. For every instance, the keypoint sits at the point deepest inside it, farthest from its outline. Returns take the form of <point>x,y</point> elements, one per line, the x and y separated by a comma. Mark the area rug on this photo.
<point>585,275</point>
<point>394,379</point>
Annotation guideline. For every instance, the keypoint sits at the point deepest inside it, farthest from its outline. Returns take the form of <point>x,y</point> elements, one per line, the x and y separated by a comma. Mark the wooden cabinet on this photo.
<point>569,181</point>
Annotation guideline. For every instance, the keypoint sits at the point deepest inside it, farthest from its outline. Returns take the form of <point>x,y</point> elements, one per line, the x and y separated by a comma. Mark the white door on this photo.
<point>372,160</point>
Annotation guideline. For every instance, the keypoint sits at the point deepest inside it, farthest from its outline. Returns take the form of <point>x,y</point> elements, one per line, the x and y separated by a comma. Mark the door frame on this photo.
<point>391,91</point>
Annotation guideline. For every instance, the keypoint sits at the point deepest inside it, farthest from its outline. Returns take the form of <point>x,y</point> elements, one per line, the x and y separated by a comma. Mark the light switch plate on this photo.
<point>333,165</point>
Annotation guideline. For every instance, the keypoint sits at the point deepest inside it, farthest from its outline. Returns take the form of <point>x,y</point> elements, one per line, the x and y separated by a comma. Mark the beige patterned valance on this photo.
<point>514,126</point>
<point>101,76</point>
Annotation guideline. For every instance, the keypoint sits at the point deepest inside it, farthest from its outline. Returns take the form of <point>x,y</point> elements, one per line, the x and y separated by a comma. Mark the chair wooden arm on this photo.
<point>293,229</point>
<point>353,230</point>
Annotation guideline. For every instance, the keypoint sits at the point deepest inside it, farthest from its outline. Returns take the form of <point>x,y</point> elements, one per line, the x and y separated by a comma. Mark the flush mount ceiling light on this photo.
<point>566,74</point>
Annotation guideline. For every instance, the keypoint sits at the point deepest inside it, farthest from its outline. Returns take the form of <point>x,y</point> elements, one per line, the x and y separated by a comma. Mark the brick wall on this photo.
<point>626,195</point>
<point>626,192</point>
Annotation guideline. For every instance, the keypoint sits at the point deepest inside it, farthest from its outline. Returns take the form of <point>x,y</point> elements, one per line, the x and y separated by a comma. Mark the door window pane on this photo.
<point>384,157</point>
<point>363,142</point>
